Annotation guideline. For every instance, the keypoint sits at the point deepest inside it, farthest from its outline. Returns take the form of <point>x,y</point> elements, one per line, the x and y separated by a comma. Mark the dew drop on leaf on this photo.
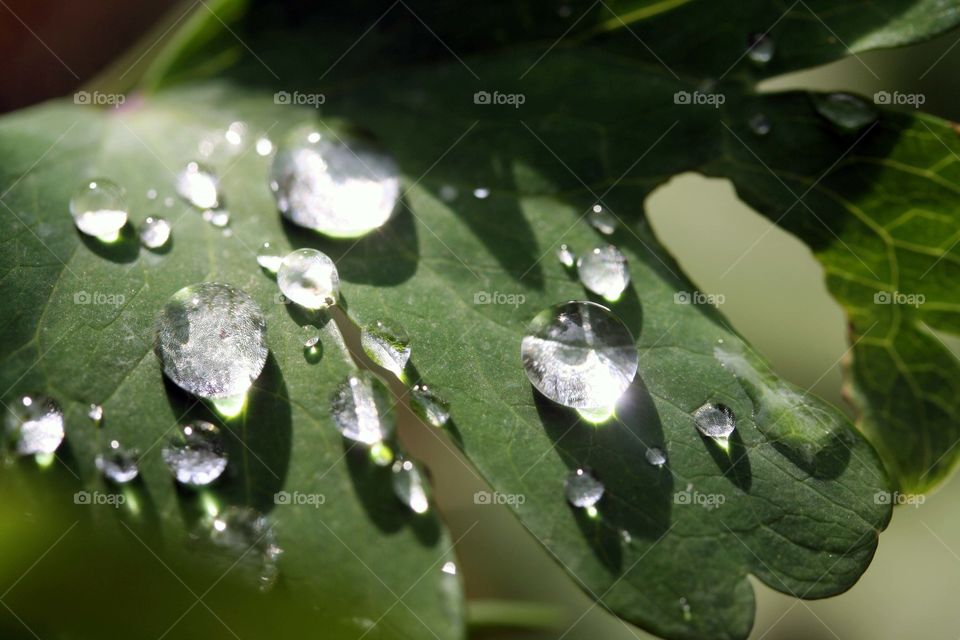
<point>602,220</point>
<point>604,272</point>
<point>217,217</point>
<point>99,209</point>
<point>760,124</point>
<point>846,112</point>
<point>196,455</point>
<point>481,193</point>
<point>117,463</point>
<point>309,278</point>
<point>362,409</point>
<point>198,185</point>
<point>248,534</point>
<point>269,257</point>
<point>583,489</point>
<point>715,421</point>
<point>428,406</point>
<point>566,256</point>
<point>409,485</point>
<point>95,413</point>
<point>154,232</point>
<point>387,344</point>
<point>760,48</point>
<point>35,425</point>
<point>656,457</point>
<point>309,335</point>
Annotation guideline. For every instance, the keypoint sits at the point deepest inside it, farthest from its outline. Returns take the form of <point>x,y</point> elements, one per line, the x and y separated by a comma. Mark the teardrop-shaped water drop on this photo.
<point>248,534</point>
<point>362,408</point>
<point>602,220</point>
<point>566,256</point>
<point>198,185</point>
<point>409,485</point>
<point>760,124</point>
<point>34,424</point>
<point>760,48</point>
<point>99,209</point>
<point>604,272</point>
<point>428,406</point>
<point>846,112</point>
<point>715,420</point>
<point>118,464</point>
<point>154,232</point>
<point>309,278</point>
<point>583,489</point>
<point>580,355</point>
<point>341,190</point>
<point>269,257</point>
<point>196,455</point>
<point>387,344</point>
<point>656,457</point>
<point>211,340</point>
<point>309,335</point>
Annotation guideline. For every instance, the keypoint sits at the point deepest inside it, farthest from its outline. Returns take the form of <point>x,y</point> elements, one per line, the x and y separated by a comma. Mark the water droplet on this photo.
<point>168,202</point>
<point>759,124</point>
<point>848,113</point>
<point>309,335</point>
<point>566,256</point>
<point>264,146</point>
<point>196,455</point>
<point>583,489</point>
<point>481,193</point>
<point>362,408</point>
<point>387,344</point>
<point>154,232</point>
<point>99,209</point>
<point>685,609</point>
<point>761,48</point>
<point>198,186</point>
<point>118,464</point>
<point>235,133</point>
<point>340,190</point>
<point>449,568</point>
<point>580,355</point>
<point>211,340</point>
<point>448,193</point>
<point>381,454</point>
<point>409,486</point>
<point>625,536</point>
<point>656,457</point>
<point>309,278</point>
<point>249,535</point>
<point>269,257</point>
<point>217,217</point>
<point>430,407</point>
<point>95,413</point>
<point>715,421</point>
<point>151,194</point>
<point>604,271</point>
<point>35,424</point>
<point>602,220</point>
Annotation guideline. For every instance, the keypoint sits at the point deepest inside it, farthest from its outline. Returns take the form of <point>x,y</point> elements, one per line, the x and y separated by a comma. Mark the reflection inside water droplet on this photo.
<point>604,272</point>
<point>196,454</point>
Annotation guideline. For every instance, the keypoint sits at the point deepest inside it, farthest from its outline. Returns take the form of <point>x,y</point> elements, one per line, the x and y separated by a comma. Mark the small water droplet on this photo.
<point>449,568</point>
<point>309,278</point>
<point>481,193</point>
<point>761,48</point>
<point>715,420</point>
<point>211,340</point>
<point>847,112</point>
<point>625,536</point>
<point>580,355</point>
<point>196,455</point>
<point>154,232</point>
<point>168,202</point>
<point>269,257</point>
<point>448,193</point>
<point>217,217</point>
<point>409,486</point>
<point>341,190</point>
<point>602,220</point>
<point>235,133</point>
<point>197,185</point>
<point>656,457</point>
<point>604,271</point>
<point>430,407</point>
<point>387,344</point>
<point>583,489</point>
<point>264,146</point>
<point>566,256</point>
<point>35,425</point>
<point>99,209</point>
<point>381,454</point>
<point>760,124</point>
<point>309,335</point>
<point>685,609</point>
<point>95,413</point>
<point>249,535</point>
<point>362,409</point>
<point>118,464</point>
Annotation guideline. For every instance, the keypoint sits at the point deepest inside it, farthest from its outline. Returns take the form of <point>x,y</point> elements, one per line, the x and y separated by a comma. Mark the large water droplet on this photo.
<point>309,278</point>
<point>211,340</point>
<point>197,185</point>
<point>602,220</point>
<point>579,355</point>
<point>154,232</point>
<point>340,190</point>
<point>387,344</point>
<point>430,407</point>
<point>409,485</point>
<point>604,271</point>
<point>846,112</point>
<point>196,455</point>
<point>715,420</point>
<point>583,489</point>
<point>35,425</point>
<point>269,257</point>
<point>118,464</point>
<point>759,124</point>
<point>566,256</point>
<point>249,535</point>
<point>99,209</point>
<point>362,408</point>
<point>761,48</point>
